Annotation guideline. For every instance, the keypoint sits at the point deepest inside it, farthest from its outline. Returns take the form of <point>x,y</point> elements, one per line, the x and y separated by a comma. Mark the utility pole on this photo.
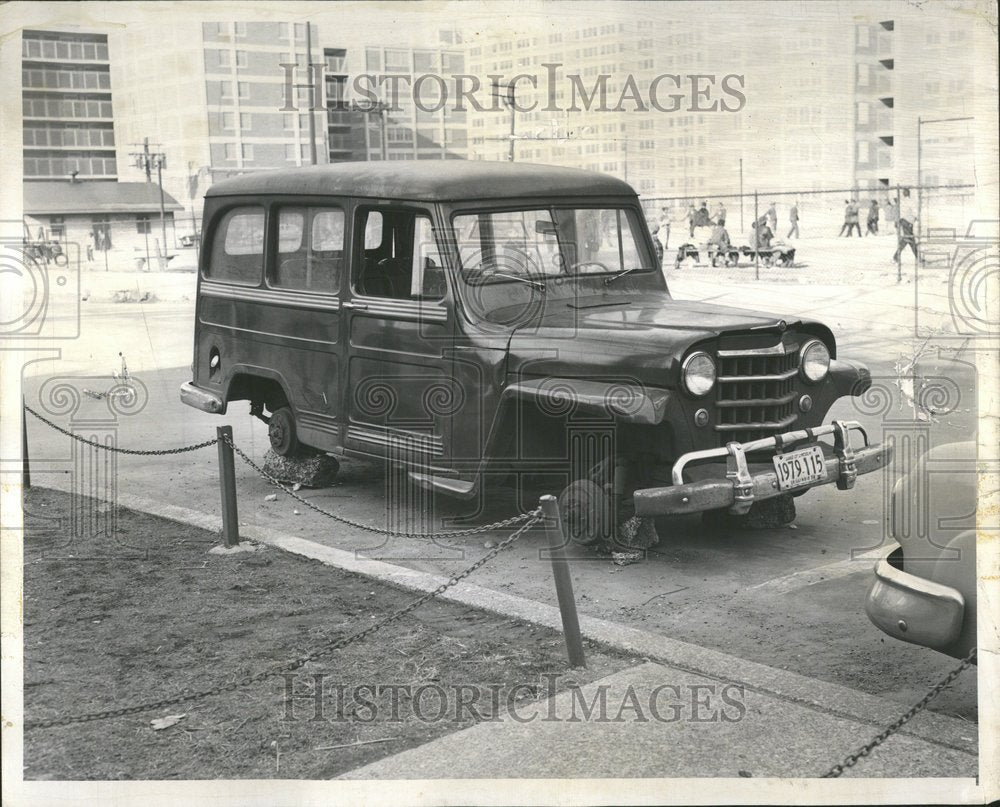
<point>508,99</point>
<point>146,160</point>
<point>312,99</point>
<point>742,226</point>
<point>377,108</point>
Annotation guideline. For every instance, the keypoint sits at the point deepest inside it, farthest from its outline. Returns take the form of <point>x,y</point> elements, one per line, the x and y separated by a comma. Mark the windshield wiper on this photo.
<point>535,284</point>
<point>622,273</point>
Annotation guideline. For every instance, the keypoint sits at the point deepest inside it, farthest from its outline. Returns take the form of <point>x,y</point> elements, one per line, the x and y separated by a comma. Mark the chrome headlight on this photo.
<point>814,362</point>
<point>698,373</point>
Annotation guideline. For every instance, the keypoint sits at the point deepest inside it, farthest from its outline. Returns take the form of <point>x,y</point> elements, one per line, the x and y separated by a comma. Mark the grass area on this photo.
<point>141,611</point>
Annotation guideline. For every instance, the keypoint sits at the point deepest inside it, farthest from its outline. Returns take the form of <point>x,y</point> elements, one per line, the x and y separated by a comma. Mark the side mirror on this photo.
<point>543,227</point>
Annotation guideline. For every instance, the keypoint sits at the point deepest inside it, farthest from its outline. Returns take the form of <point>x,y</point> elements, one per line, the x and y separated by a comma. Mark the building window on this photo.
<point>240,28</point>
<point>241,58</point>
<point>231,152</point>
<point>288,121</point>
<point>247,151</point>
<point>283,30</point>
<point>244,90</point>
<point>57,227</point>
<point>290,152</point>
<point>223,56</point>
<point>225,92</point>
<point>228,121</point>
<point>300,31</point>
<point>246,121</point>
<point>863,114</point>
<point>373,59</point>
<point>143,224</point>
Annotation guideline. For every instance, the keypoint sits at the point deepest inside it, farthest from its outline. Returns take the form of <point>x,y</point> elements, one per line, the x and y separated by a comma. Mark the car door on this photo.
<point>397,320</point>
<point>304,287</point>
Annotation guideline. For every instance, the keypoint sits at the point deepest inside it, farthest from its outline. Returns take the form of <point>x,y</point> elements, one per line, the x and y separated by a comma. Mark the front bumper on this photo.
<point>739,488</point>
<point>911,608</point>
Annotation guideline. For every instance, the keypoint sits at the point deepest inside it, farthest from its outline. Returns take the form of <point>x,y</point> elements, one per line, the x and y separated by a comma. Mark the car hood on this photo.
<point>630,337</point>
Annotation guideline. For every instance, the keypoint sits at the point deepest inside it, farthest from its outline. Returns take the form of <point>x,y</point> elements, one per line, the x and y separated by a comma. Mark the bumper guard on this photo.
<point>740,488</point>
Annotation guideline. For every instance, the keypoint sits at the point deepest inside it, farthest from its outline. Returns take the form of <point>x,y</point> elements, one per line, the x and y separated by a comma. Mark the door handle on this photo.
<point>354,306</point>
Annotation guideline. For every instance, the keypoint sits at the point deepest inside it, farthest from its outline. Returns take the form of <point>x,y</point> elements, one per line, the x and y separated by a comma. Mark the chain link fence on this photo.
<point>830,236</point>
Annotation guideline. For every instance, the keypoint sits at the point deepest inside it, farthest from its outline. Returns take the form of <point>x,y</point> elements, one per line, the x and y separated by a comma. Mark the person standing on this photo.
<point>654,230</point>
<point>772,217</point>
<point>720,215</point>
<point>892,214</point>
<point>873,218</point>
<point>90,246</point>
<point>793,217</point>
<point>692,218</point>
<point>852,218</point>
<point>665,227</point>
<point>906,230</point>
<point>844,228</point>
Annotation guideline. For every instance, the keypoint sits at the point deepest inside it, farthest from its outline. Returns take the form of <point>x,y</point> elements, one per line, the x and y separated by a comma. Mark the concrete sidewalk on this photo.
<point>660,722</point>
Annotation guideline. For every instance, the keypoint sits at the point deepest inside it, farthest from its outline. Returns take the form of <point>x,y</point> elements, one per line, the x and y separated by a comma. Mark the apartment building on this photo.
<point>430,130</point>
<point>214,98</point>
<point>775,140</point>
<point>913,87</point>
<point>68,126</point>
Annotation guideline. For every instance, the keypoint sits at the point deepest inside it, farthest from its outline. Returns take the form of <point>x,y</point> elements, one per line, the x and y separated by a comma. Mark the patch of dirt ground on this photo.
<point>140,612</point>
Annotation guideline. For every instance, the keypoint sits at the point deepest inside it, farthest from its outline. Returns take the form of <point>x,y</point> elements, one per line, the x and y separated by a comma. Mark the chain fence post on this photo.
<point>25,463</point>
<point>564,583</point>
<point>227,485</point>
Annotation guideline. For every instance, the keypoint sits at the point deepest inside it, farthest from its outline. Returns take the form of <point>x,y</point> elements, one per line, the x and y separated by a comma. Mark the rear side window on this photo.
<point>310,248</point>
<point>238,247</point>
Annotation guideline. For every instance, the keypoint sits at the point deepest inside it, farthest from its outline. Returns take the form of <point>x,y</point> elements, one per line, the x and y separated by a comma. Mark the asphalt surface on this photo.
<point>791,598</point>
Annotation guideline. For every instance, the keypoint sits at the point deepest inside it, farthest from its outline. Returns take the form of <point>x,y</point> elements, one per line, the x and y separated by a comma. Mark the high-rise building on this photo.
<point>913,83</point>
<point>211,96</point>
<point>67,106</point>
<point>794,117</point>
<point>429,130</point>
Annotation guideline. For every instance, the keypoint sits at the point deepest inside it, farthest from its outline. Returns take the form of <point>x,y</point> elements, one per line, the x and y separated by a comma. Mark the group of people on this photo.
<point>719,243</point>
<point>852,217</point>
<point>903,216</point>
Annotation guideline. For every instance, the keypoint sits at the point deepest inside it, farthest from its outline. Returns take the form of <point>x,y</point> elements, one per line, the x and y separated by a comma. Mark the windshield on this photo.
<point>538,244</point>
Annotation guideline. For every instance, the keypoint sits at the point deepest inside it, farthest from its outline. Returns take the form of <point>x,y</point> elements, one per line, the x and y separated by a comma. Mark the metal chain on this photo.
<point>496,525</point>
<point>852,759</point>
<point>534,517</point>
<point>115,449</point>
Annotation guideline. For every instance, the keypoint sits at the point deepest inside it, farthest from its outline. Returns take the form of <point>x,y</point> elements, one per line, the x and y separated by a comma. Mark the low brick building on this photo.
<point>121,219</point>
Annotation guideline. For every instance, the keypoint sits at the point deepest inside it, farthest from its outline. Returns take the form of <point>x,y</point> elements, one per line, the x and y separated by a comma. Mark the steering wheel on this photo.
<point>576,266</point>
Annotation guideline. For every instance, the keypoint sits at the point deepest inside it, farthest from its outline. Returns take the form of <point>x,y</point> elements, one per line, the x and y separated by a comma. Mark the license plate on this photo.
<point>798,468</point>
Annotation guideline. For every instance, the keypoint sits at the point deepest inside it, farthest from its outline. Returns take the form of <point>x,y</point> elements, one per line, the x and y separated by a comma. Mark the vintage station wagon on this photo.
<point>472,320</point>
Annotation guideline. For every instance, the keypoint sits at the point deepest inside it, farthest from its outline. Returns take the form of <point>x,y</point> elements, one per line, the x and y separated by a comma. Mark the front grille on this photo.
<point>756,392</point>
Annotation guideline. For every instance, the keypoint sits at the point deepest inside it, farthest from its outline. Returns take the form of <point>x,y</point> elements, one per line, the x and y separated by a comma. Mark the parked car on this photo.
<point>473,319</point>
<point>924,590</point>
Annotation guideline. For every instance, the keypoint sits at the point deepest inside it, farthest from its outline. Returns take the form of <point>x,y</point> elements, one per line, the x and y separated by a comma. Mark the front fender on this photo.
<point>621,401</point>
<point>849,377</point>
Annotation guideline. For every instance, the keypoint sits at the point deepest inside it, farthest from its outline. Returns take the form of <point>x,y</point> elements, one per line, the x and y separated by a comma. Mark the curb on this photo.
<point>871,711</point>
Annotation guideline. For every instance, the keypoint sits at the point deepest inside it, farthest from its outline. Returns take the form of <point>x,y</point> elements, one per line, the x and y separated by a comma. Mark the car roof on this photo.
<point>436,181</point>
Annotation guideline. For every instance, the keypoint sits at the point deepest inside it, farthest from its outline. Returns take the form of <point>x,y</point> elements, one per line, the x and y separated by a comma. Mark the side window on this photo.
<point>400,258</point>
<point>310,248</point>
<point>238,247</point>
